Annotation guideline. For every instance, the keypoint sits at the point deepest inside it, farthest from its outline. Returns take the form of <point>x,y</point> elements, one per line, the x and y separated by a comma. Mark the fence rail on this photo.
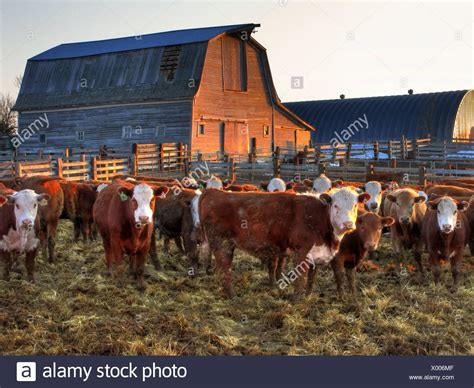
<point>413,161</point>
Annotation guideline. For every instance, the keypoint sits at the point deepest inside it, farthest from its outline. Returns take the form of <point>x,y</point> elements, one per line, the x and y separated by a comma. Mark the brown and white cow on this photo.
<point>446,232</point>
<point>123,214</point>
<point>19,227</point>
<point>375,189</point>
<point>275,185</point>
<point>48,215</point>
<point>272,226</point>
<point>408,208</point>
<point>355,246</point>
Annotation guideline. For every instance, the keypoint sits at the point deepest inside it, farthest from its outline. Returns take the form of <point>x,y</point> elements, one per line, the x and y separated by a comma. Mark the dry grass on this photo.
<point>75,309</point>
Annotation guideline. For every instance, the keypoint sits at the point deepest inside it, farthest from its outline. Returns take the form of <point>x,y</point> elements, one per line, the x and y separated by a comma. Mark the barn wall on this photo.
<point>215,104</point>
<point>154,123</point>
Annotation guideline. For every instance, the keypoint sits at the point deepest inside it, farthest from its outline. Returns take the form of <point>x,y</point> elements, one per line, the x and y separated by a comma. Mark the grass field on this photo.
<point>75,309</point>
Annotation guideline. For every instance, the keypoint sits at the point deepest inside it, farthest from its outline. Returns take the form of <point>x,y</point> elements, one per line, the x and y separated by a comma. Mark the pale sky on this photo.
<point>356,48</point>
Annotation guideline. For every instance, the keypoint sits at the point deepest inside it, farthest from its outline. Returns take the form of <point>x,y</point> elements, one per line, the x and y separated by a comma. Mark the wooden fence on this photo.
<point>407,161</point>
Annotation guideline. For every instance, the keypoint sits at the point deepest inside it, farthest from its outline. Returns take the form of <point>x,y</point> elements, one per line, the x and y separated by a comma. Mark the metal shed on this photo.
<point>440,115</point>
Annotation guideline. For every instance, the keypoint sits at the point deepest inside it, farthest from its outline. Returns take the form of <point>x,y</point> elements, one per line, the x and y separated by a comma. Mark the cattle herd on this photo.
<point>313,223</point>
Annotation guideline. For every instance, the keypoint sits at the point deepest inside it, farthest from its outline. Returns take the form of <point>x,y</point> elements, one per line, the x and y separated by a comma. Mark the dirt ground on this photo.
<point>74,308</point>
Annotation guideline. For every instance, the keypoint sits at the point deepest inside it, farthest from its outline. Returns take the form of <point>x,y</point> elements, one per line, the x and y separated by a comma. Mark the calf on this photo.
<point>355,246</point>
<point>272,226</point>
<point>84,222</point>
<point>446,232</point>
<point>19,227</point>
<point>408,208</point>
<point>123,214</point>
<point>174,221</point>
<point>48,215</point>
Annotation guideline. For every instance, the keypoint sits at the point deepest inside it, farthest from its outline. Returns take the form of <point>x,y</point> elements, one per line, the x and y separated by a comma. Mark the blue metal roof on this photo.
<point>389,117</point>
<point>160,39</point>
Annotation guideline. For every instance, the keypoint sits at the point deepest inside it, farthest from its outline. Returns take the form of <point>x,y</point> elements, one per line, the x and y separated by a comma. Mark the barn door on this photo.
<point>242,138</point>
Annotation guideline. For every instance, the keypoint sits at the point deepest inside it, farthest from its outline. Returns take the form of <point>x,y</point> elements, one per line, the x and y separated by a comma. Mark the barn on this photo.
<point>210,88</point>
<point>440,116</point>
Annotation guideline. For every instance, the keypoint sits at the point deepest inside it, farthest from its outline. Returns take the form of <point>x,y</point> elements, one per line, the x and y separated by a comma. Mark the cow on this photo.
<point>446,232</point>
<point>375,189</point>
<point>19,227</point>
<point>355,246</point>
<point>408,208</point>
<point>214,182</point>
<point>84,223</point>
<point>48,215</point>
<point>452,191</point>
<point>174,221</point>
<point>240,188</point>
<point>123,214</point>
<point>470,219</point>
<point>275,184</point>
<point>271,226</point>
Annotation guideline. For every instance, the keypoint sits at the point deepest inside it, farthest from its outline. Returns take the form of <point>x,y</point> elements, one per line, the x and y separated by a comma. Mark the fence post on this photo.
<point>393,163</point>
<point>94,168</point>
<point>186,166</point>
<point>162,155</point>
<point>376,150</point>
<point>134,159</point>
<point>370,171</point>
<point>231,169</point>
<point>348,151</point>
<point>321,169</point>
<point>334,154</point>
<point>317,154</point>
<point>276,168</point>
<point>390,149</point>
<point>60,167</point>
<point>18,169</point>
<point>422,175</point>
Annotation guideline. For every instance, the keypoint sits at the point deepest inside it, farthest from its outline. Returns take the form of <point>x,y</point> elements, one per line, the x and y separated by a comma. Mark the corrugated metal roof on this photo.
<point>389,117</point>
<point>168,38</point>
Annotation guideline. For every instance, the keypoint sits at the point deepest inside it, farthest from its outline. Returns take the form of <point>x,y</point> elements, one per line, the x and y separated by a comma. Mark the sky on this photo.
<point>338,47</point>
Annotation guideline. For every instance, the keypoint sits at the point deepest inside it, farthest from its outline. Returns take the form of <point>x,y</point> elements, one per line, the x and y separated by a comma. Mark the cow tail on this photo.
<point>199,227</point>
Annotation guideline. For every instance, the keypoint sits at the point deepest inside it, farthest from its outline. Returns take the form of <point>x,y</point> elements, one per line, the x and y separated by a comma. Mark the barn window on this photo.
<point>201,129</point>
<point>80,135</point>
<point>266,131</point>
<point>43,138</point>
<point>169,62</point>
<point>235,64</point>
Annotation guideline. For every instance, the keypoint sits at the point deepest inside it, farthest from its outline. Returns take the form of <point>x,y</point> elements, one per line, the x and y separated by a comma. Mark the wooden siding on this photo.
<point>154,123</point>
<point>214,104</point>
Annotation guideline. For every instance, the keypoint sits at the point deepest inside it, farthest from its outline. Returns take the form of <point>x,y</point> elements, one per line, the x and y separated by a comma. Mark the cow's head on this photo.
<point>405,200</point>
<point>322,184</point>
<point>276,184</point>
<point>369,226</point>
<point>375,190</point>
<point>447,212</point>
<point>142,199</point>
<point>343,208</point>
<point>190,183</point>
<point>25,205</point>
<point>214,183</point>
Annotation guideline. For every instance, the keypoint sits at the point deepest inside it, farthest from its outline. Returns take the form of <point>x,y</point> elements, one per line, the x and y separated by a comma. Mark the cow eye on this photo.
<point>17,206</point>
<point>455,212</point>
<point>35,205</point>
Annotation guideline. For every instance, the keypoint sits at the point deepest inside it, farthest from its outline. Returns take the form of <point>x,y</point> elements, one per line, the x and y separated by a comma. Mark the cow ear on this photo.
<point>264,186</point>
<point>308,183</point>
<point>43,199</point>
<point>421,198</point>
<point>463,205</point>
<point>125,193</point>
<point>325,199</point>
<point>3,200</point>
<point>388,221</point>
<point>391,198</point>
<point>161,191</point>
<point>290,185</point>
<point>363,197</point>
<point>432,205</point>
<point>336,184</point>
<point>362,188</point>
<point>18,181</point>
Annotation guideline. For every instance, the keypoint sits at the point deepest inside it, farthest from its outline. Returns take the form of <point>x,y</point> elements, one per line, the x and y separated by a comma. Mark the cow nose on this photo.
<point>144,219</point>
<point>447,228</point>
<point>27,224</point>
<point>348,225</point>
<point>405,220</point>
<point>371,246</point>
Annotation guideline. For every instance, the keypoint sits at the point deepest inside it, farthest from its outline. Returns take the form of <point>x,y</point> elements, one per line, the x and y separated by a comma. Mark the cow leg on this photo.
<point>301,267</point>
<point>30,265</point>
<point>7,264</point>
<point>419,262</point>
<point>190,248</point>
<point>435,266</point>
<point>77,229</point>
<point>179,245</point>
<point>350,273</point>
<point>224,256</point>
<point>153,251</point>
<point>455,269</point>
<point>51,229</point>
<point>272,266</point>
<point>280,266</point>
<point>140,259</point>
<point>311,276</point>
<point>43,237</point>
<point>338,269</point>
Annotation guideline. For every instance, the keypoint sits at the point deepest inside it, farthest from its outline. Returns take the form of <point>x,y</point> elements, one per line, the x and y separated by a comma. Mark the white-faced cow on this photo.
<point>273,226</point>
<point>446,232</point>
<point>375,190</point>
<point>19,227</point>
